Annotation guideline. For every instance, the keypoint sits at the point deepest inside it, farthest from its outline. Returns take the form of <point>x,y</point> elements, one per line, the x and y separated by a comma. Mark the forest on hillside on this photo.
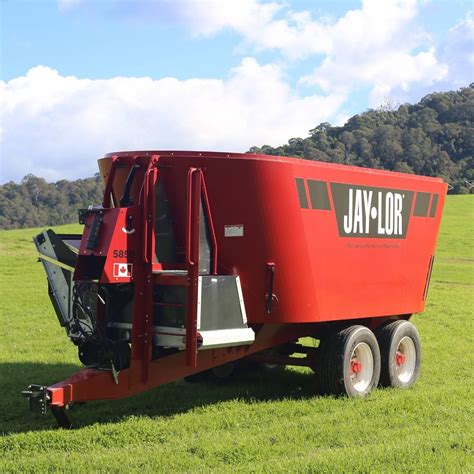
<point>35,202</point>
<point>434,137</point>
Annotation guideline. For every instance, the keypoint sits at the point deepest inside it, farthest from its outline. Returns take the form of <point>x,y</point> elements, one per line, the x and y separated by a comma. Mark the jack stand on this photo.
<point>61,417</point>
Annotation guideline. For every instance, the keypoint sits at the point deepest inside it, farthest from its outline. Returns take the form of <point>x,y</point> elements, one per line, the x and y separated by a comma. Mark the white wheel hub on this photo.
<point>361,367</point>
<point>405,359</point>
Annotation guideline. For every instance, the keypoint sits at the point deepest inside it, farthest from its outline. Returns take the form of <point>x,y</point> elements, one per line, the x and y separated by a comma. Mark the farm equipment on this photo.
<point>197,261</point>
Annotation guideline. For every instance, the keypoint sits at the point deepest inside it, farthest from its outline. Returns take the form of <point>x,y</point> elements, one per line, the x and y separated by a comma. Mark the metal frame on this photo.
<point>145,373</point>
<point>290,309</point>
<point>192,261</point>
<point>93,384</point>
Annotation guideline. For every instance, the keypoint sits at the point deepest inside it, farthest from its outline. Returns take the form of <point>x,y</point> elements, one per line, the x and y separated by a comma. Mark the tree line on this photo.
<point>434,137</point>
<point>35,203</point>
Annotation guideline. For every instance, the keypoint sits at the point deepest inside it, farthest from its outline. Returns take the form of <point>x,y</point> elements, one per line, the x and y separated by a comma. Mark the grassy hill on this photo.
<point>259,422</point>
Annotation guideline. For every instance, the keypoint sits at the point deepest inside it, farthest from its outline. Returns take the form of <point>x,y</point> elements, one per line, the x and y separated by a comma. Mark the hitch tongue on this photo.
<point>39,398</point>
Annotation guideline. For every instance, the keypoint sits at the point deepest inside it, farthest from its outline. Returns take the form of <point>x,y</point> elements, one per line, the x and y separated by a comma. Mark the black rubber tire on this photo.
<point>334,361</point>
<point>271,368</point>
<point>389,336</point>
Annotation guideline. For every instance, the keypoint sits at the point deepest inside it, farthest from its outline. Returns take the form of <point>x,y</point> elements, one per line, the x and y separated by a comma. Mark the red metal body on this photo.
<point>313,243</point>
<point>319,276</point>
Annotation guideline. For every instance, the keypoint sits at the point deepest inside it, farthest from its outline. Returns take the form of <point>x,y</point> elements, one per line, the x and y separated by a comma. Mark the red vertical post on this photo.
<point>142,328</point>
<point>148,269</point>
<point>192,258</point>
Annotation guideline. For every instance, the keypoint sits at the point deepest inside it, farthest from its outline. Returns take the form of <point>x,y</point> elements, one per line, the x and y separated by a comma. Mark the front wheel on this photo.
<point>400,350</point>
<point>348,362</point>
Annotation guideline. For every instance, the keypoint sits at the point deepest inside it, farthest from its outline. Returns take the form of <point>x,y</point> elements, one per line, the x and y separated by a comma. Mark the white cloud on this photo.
<point>56,126</point>
<point>296,34</point>
<point>458,52</point>
<point>208,17</point>
<point>373,48</point>
<point>379,47</point>
<point>449,67</point>
<point>264,26</point>
<point>369,47</point>
<point>67,4</point>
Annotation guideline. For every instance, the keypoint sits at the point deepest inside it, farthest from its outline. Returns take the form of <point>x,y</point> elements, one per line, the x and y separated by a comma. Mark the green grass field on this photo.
<point>271,423</point>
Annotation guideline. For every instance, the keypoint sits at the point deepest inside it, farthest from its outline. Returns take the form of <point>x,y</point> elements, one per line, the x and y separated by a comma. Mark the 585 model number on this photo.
<point>124,254</point>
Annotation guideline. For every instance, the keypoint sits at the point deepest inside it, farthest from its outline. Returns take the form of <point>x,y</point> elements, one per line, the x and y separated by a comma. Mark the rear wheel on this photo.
<point>400,351</point>
<point>348,362</point>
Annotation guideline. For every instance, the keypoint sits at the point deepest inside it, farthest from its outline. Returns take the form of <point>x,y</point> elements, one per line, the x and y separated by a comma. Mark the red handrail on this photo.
<point>192,258</point>
<point>148,214</point>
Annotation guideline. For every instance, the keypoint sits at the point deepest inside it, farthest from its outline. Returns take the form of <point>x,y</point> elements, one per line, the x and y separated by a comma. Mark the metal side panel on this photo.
<point>204,243</point>
<point>220,303</point>
<point>226,337</point>
<point>73,241</point>
<point>50,244</point>
<point>174,337</point>
<point>60,290</point>
<point>221,317</point>
<point>59,262</point>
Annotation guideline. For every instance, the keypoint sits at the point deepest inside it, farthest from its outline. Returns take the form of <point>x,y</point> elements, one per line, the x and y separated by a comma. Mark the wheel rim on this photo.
<point>361,367</point>
<point>405,359</point>
<point>269,366</point>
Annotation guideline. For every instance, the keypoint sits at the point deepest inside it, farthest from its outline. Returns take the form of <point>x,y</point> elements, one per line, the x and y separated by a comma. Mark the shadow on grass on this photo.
<point>248,386</point>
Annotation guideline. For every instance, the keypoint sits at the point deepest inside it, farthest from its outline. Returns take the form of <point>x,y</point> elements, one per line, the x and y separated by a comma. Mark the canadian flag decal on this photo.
<point>123,270</point>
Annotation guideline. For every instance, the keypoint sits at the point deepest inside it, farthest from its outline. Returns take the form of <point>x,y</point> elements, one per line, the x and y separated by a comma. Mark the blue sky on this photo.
<point>80,78</point>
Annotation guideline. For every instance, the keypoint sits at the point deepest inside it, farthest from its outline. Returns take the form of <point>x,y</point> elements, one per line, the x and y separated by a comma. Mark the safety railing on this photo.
<point>149,213</point>
<point>193,204</point>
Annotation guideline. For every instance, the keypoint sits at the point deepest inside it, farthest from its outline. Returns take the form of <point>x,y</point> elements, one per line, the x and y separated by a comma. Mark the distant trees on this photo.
<point>434,137</point>
<point>34,202</point>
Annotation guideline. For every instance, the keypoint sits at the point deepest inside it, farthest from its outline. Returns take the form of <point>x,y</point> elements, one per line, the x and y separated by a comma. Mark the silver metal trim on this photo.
<point>227,337</point>
<point>128,231</point>
<point>198,316</point>
<point>176,337</point>
<point>170,272</point>
<point>241,299</point>
<point>210,339</point>
<point>120,325</point>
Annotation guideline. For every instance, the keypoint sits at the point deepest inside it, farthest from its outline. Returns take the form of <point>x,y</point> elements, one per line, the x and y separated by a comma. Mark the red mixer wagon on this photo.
<point>197,261</point>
